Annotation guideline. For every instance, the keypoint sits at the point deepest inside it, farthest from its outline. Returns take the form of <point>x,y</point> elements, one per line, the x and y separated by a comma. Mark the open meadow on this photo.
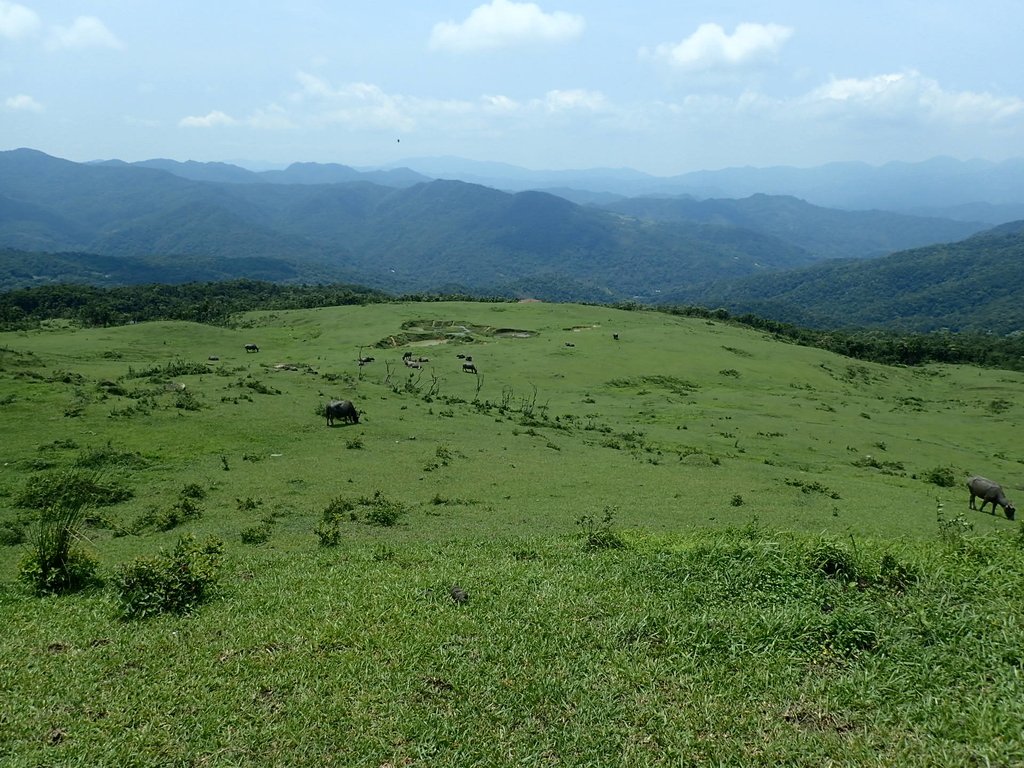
<point>630,538</point>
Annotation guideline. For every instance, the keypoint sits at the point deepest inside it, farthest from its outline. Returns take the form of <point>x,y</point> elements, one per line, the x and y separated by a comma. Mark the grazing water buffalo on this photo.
<point>343,410</point>
<point>990,493</point>
<point>251,348</point>
<point>469,367</point>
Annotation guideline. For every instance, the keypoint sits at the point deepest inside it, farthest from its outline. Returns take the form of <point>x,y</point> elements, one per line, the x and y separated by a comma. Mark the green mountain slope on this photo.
<point>973,285</point>
<point>825,232</point>
<point>428,236</point>
<point>422,237</point>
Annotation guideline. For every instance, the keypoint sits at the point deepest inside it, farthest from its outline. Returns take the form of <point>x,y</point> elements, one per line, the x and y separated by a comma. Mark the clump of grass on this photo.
<point>71,489</point>
<point>170,582</point>
<point>833,561</point>
<point>598,533</point>
<point>954,532</point>
<point>54,563</point>
<point>170,370</point>
<point>193,491</point>
<point>182,511</point>
<point>108,456</point>
<point>373,510</point>
<point>885,467</point>
<point>185,509</point>
<point>12,533</point>
<point>258,534</point>
<point>813,487</point>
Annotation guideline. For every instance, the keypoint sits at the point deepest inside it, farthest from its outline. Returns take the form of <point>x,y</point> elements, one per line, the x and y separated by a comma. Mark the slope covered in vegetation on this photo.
<point>690,543</point>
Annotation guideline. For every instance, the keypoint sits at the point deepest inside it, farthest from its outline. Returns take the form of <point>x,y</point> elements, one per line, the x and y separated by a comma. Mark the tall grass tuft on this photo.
<point>53,563</point>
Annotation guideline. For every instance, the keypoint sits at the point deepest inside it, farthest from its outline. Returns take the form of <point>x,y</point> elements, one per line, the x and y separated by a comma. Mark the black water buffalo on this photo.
<point>990,493</point>
<point>469,367</point>
<point>343,410</point>
<point>251,348</point>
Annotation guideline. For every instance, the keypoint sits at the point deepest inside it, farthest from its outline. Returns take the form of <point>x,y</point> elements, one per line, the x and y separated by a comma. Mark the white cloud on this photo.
<point>504,23</point>
<point>501,105</point>
<point>212,119</point>
<point>84,32</point>
<point>907,94</point>
<point>710,48</point>
<point>17,21</point>
<point>575,100</point>
<point>356,105</point>
<point>22,103</point>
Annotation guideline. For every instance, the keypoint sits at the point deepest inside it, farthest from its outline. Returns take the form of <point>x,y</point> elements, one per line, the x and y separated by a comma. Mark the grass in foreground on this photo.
<point>745,647</point>
<point>838,628</point>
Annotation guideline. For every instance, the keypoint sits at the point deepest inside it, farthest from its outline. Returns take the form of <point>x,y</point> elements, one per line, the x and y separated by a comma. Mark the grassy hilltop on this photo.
<point>693,544</point>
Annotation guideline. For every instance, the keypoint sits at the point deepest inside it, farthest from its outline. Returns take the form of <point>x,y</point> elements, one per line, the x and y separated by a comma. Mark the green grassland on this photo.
<point>792,587</point>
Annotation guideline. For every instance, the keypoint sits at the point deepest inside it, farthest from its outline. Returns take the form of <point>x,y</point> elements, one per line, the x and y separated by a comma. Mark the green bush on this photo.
<point>328,533</point>
<point>193,491</point>
<point>382,511</point>
<point>258,534</point>
<point>170,582</point>
<point>944,477</point>
<point>76,570</point>
<point>11,534</point>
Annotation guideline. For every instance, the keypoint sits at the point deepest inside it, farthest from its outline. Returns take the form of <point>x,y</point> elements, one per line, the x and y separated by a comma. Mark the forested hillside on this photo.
<point>972,285</point>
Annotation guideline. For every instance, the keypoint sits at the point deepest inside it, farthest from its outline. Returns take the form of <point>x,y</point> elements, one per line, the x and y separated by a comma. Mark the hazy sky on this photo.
<point>662,86</point>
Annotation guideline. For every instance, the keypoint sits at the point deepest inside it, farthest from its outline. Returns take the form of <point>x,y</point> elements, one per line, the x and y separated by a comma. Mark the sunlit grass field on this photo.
<point>734,470</point>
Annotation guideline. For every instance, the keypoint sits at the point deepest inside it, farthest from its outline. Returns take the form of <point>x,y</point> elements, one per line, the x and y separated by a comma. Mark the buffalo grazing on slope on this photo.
<point>990,493</point>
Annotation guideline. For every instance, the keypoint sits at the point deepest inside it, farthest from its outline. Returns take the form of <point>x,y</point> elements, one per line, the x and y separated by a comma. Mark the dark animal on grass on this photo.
<point>251,348</point>
<point>469,368</point>
<point>990,493</point>
<point>342,410</point>
<point>365,360</point>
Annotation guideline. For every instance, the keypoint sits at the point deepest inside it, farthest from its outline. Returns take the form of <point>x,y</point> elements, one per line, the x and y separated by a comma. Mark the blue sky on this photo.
<point>663,87</point>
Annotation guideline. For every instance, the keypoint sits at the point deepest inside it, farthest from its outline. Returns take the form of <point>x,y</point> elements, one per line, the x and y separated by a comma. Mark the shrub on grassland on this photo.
<point>170,582</point>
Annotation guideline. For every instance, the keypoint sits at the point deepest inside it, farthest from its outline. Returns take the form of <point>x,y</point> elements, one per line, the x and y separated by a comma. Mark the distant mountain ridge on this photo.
<point>975,190</point>
<point>971,191</point>
<point>780,256</point>
<point>296,173</point>
<point>427,235</point>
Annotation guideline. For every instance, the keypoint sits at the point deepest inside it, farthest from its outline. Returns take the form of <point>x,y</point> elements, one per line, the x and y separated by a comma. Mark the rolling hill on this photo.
<point>693,545</point>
